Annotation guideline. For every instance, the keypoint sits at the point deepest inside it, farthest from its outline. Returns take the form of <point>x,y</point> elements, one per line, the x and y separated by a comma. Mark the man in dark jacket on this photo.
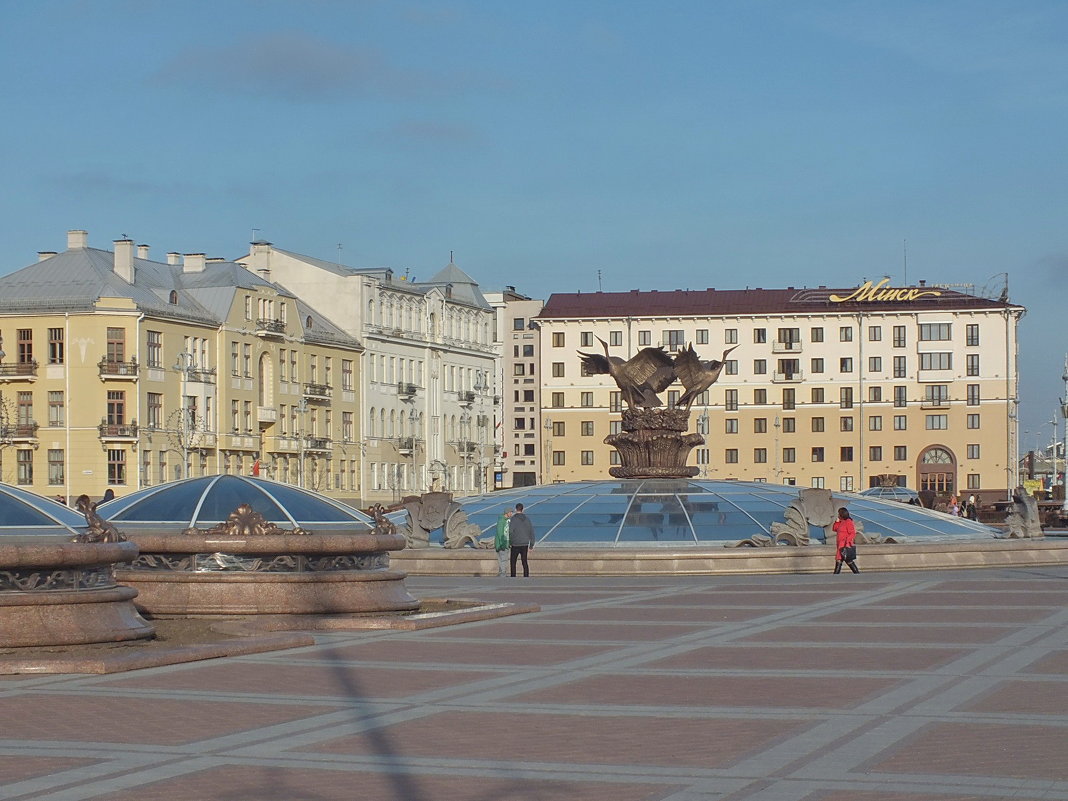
<point>521,537</point>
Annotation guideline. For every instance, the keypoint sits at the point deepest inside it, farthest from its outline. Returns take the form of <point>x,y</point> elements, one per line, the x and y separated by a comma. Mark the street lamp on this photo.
<point>548,449</point>
<point>1064,414</point>
<point>184,365</point>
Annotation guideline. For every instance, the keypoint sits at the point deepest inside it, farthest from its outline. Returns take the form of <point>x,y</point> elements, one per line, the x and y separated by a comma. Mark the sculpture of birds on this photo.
<point>639,379</point>
<point>696,375</point>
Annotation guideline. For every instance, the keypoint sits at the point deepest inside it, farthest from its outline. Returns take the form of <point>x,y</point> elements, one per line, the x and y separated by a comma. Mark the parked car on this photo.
<point>903,494</point>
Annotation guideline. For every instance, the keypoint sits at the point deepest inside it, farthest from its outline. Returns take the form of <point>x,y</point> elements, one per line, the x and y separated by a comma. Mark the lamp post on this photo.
<point>548,426</point>
<point>1064,414</point>
<point>184,365</point>
<point>4,434</point>
<point>302,407</point>
<point>778,469</point>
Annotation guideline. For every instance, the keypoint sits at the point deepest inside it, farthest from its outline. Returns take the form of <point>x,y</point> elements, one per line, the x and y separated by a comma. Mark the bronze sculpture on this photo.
<point>639,379</point>
<point>696,375</point>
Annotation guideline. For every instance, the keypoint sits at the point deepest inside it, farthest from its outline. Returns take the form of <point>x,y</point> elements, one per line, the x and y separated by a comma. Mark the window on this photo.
<point>116,466</point>
<point>789,336</point>
<point>973,481</point>
<point>559,427</point>
<point>557,401</point>
<point>846,453</point>
<point>875,394</point>
<point>972,335</point>
<point>789,368</point>
<point>702,336</point>
<point>347,382</point>
<point>558,369</point>
<point>116,344</point>
<point>56,409</point>
<point>789,455</point>
<point>730,425</point>
<point>760,396</point>
<point>937,422</point>
<point>934,332</point>
<point>846,483</point>
<point>24,467</point>
<point>55,467</point>
<point>24,345</point>
<point>558,458</point>
<point>155,409</point>
<point>875,333</point>
<point>55,346</point>
<point>875,423</point>
<point>24,408</point>
<point>901,453</point>
<point>615,338</point>
<point>817,482</point>
<point>760,366</point>
<point>674,339</point>
<point>845,365</point>
<point>116,407</point>
<point>586,428</point>
<point>818,395</point>
<point>900,422</point>
<point>528,396</point>
<point>972,364</point>
<point>730,456</point>
<point>615,401</point>
<point>875,453</point>
<point>845,333</point>
<point>816,335</point>
<point>760,455</point>
<point>586,399</point>
<point>586,339</point>
<point>973,451</point>
<point>899,367</point>
<point>347,431</point>
<point>817,365</point>
<point>875,364</point>
<point>760,335</point>
<point>701,455</point>
<point>730,336</point>
<point>645,339</point>
<point>760,425</point>
<point>789,425</point>
<point>519,369</point>
<point>789,399</point>
<point>519,324</point>
<point>817,424</point>
<point>973,421</point>
<point>845,423</point>
<point>845,398</point>
<point>901,396</point>
<point>587,457</point>
<point>899,336</point>
<point>558,339</point>
<point>936,361</point>
<point>730,367</point>
<point>973,394</point>
<point>730,400</point>
<point>817,454</point>
<point>673,398</point>
<point>936,395</point>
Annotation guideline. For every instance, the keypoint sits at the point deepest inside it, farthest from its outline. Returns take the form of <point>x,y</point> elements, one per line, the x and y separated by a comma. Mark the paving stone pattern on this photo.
<point>925,686</point>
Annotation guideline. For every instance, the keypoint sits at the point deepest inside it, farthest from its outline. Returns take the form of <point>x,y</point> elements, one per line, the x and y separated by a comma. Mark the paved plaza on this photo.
<point>932,686</point>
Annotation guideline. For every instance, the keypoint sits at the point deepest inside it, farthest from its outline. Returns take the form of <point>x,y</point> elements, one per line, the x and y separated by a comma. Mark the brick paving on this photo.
<point>923,686</point>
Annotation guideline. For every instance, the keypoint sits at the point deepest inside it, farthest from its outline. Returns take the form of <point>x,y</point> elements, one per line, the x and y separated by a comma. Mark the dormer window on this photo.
<point>174,297</point>
<point>308,322</point>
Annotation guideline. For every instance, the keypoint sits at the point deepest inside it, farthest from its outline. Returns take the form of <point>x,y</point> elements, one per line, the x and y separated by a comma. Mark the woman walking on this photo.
<point>846,546</point>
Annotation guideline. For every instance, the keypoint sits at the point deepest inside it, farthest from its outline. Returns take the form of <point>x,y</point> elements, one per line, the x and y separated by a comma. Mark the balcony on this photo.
<point>270,329</point>
<point>21,371</point>
<point>202,376</point>
<point>117,432</point>
<point>466,398</point>
<point>18,432</point>
<point>406,445</point>
<point>788,378</point>
<point>317,392</point>
<point>110,369</point>
<point>406,391</point>
<point>266,415</point>
<point>318,444</point>
<point>934,403</point>
<point>785,347</point>
<point>466,447</point>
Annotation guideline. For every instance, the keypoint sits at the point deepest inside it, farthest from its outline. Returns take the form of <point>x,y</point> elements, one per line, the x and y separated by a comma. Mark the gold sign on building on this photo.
<point>881,292</point>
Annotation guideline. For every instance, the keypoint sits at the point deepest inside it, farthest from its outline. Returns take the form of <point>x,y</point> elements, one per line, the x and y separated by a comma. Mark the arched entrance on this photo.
<point>938,470</point>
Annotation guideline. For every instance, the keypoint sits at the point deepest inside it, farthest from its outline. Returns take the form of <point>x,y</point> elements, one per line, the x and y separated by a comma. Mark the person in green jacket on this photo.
<point>501,542</point>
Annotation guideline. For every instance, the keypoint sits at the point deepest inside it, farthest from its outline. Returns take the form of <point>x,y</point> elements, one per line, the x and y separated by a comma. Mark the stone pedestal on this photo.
<point>653,444</point>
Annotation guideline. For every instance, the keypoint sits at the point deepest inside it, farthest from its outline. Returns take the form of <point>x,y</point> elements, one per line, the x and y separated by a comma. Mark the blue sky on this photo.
<point>560,145</point>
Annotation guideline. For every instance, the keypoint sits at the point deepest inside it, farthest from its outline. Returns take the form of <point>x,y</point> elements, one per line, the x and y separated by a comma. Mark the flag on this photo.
<point>256,468</point>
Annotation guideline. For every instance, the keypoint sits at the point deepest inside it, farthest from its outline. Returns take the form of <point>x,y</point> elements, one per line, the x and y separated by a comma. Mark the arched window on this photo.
<point>174,297</point>
<point>372,424</point>
<point>308,322</point>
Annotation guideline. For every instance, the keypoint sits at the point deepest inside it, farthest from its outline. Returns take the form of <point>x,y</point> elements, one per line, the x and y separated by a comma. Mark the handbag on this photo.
<point>849,553</point>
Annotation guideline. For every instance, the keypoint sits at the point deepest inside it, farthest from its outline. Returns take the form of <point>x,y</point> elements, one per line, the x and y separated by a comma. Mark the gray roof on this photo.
<point>464,287</point>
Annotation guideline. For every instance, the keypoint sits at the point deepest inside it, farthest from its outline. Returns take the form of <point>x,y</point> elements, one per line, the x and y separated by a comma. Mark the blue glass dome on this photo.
<point>25,516</point>
<point>643,512</point>
<point>207,501</point>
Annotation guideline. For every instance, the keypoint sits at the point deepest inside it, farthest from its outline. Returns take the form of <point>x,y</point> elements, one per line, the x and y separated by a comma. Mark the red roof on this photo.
<point>730,302</point>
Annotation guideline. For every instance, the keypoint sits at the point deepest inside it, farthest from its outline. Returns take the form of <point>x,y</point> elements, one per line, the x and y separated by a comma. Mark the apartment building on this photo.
<point>118,371</point>
<point>429,398</point>
<point>835,388</point>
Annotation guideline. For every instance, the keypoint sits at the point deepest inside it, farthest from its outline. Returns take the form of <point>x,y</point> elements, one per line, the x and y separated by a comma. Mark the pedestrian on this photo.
<point>846,545</point>
<point>501,543</point>
<point>954,508</point>
<point>971,511</point>
<point>521,538</point>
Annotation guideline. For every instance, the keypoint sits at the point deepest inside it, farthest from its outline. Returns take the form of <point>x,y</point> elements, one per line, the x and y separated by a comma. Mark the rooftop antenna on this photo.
<point>905,260</point>
<point>598,280</point>
<point>255,234</point>
<point>450,257</point>
<point>338,254</point>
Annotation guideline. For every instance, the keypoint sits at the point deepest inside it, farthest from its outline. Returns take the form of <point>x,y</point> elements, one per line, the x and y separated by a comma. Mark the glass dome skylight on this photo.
<point>25,516</point>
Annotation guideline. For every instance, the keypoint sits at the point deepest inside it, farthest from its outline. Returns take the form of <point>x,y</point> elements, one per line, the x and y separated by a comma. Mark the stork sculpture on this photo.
<point>639,378</point>
<point>696,375</point>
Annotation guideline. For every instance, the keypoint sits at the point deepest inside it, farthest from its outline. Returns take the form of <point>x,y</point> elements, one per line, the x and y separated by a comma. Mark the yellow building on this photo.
<point>120,372</point>
<point>824,388</point>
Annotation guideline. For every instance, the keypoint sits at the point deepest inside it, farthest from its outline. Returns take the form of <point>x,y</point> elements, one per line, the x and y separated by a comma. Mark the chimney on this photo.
<point>77,239</point>
<point>45,254</point>
<point>124,253</point>
<point>174,258</point>
<point>193,263</point>
<point>214,260</point>
<point>260,259</point>
<point>923,282</point>
<point>142,251</point>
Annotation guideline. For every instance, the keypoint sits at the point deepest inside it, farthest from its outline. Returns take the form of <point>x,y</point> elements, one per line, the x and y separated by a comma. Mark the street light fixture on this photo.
<point>184,365</point>
<point>1064,414</point>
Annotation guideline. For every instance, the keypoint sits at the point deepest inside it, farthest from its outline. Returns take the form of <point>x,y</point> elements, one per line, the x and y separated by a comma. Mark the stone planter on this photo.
<point>280,574</point>
<point>65,593</point>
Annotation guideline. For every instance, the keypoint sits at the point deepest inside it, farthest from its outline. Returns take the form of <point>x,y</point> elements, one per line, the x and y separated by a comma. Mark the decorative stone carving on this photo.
<point>459,531</point>
<point>426,513</point>
<point>100,530</point>
<point>1023,520</point>
<point>653,444</point>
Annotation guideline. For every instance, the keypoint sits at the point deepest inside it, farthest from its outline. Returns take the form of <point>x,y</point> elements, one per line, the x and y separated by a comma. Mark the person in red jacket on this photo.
<point>846,547</point>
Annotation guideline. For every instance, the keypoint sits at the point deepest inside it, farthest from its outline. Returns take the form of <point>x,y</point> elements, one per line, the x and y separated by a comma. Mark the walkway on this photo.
<point>932,686</point>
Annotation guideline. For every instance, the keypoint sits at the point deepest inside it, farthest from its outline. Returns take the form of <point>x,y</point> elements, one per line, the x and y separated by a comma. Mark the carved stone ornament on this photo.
<point>245,521</point>
<point>1023,520</point>
<point>653,444</point>
<point>100,530</point>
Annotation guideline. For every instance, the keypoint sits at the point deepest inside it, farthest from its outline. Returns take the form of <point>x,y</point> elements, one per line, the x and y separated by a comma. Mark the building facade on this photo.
<point>429,400</point>
<point>120,372</point>
<point>842,389</point>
